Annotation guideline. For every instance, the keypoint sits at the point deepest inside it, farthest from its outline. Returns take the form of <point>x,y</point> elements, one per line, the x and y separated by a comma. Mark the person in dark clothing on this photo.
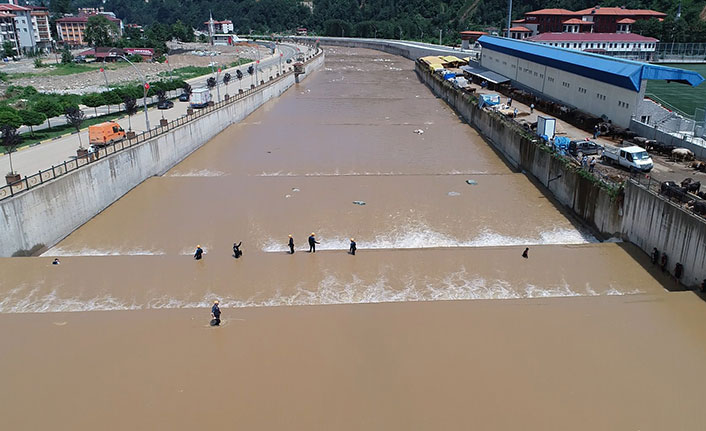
<point>665,260</point>
<point>353,247</point>
<point>236,250</point>
<point>655,256</point>
<point>703,285</point>
<point>525,253</point>
<point>56,262</point>
<point>216,313</point>
<point>312,243</point>
<point>291,245</point>
<point>199,252</point>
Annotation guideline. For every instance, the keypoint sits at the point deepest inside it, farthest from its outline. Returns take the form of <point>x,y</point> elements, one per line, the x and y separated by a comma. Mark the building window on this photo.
<point>565,84</point>
<point>550,79</point>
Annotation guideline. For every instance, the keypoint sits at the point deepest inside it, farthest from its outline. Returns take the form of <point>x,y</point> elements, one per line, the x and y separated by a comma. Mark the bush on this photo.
<point>38,63</point>
<point>135,58</point>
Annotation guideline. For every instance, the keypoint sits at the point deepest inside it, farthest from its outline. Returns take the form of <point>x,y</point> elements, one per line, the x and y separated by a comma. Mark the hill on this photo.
<point>410,19</point>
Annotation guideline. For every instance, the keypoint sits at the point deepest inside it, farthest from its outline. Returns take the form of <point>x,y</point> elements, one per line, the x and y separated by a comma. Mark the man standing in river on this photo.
<point>312,243</point>
<point>291,244</point>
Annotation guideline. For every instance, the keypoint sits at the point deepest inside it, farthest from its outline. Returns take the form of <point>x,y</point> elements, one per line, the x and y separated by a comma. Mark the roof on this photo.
<point>471,32</point>
<point>519,28</point>
<point>7,15</point>
<point>550,12</point>
<point>625,21</point>
<point>622,73</point>
<point>488,75</point>
<point>577,21</point>
<point>591,37</point>
<point>84,18</point>
<point>14,7</point>
<point>620,11</point>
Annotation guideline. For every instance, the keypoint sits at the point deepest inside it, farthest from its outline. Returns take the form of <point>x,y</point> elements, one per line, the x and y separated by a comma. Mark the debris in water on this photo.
<point>454,194</point>
<point>419,132</point>
<point>295,189</point>
<point>472,182</point>
<point>287,196</point>
<point>359,202</point>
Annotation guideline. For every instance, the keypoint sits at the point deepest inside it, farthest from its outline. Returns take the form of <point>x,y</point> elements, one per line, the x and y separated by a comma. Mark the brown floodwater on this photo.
<point>437,322</point>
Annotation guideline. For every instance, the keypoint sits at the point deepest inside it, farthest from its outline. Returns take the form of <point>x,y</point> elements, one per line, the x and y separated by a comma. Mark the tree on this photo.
<point>10,117</point>
<point>226,80</point>
<point>10,140</point>
<point>60,6</point>
<point>8,49</point>
<point>66,57</point>
<point>31,118</point>
<point>130,109</point>
<point>93,100</point>
<point>100,31</point>
<point>239,74</point>
<point>187,88</point>
<point>75,117</point>
<point>49,107</point>
<point>211,82</point>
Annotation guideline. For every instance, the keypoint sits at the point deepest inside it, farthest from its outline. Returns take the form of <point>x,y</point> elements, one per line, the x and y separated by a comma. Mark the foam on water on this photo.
<point>58,252</point>
<point>459,285</point>
<point>421,236</point>
<point>198,173</point>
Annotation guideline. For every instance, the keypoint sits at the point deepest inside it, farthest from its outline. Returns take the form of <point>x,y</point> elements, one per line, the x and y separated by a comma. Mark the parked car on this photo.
<point>585,147</point>
<point>165,104</point>
<point>184,97</point>
<point>80,59</point>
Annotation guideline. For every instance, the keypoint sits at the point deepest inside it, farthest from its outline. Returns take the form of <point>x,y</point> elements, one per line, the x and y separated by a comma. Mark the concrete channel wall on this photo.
<point>644,218</point>
<point>652,221</point>
<point>42,216</point>
<point>588,201</point>
<point>410,50</point>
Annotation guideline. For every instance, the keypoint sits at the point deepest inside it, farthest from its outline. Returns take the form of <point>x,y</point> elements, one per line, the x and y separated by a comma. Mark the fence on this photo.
<point>56,171</point>
<point>681,199</point>
<point>680,52</point>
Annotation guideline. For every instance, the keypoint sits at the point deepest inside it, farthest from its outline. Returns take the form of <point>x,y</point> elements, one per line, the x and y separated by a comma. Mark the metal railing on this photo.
<point>655,187</point>
<point>56,171</point>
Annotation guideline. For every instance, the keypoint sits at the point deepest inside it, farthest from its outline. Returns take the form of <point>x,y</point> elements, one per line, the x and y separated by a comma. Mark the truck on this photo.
<point>633,158</point>
<point>106,133</point>
<point>200,97</point>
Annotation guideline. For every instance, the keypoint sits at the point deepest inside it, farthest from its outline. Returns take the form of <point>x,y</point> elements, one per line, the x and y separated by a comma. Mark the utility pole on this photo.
<point>509,17</point>
<point>440,36</point>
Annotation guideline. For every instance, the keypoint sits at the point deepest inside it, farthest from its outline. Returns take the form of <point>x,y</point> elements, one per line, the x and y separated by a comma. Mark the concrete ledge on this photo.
<point>43,215</point>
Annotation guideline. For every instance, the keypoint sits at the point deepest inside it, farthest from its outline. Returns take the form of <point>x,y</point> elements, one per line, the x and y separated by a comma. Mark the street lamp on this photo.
<point>145,85</point>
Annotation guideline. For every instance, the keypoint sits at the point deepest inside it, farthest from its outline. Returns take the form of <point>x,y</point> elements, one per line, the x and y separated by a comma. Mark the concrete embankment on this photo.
<point>584,197</point>
<point>407,49</point>
<point>652,221</point>
<point>649,220</point>
<point>43,215</point>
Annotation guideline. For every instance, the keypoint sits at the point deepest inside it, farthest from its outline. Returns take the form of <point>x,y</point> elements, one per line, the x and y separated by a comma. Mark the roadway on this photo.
<point>30,160</point>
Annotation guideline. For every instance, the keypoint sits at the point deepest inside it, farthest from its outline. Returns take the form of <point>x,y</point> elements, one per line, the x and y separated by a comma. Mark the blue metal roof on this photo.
<point>622,73</point>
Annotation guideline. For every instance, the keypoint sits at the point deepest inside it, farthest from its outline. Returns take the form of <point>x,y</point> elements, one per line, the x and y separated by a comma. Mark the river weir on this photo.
<point>438,321</point>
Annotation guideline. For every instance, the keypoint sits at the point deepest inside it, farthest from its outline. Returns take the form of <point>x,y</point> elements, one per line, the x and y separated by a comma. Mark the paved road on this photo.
<point>31,160</point>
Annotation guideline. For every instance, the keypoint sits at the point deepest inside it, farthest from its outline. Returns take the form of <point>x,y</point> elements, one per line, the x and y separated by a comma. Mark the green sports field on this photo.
<point>680,96</point>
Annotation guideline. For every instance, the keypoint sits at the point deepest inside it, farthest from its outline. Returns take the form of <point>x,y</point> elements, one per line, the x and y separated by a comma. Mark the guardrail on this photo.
<point>655,187</point>
<point>56,171</point>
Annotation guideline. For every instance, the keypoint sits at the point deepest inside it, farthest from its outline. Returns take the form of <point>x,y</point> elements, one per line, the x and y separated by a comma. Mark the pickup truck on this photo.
<point>633,158</point>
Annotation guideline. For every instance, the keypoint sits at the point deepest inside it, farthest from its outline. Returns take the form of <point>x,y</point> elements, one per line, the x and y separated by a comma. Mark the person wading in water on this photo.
<point>216,313</point>
<point>291,244</point>
<point>312,243</point>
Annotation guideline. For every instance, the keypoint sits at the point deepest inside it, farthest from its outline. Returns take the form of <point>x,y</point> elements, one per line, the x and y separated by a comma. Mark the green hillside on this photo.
<point>410,19</point>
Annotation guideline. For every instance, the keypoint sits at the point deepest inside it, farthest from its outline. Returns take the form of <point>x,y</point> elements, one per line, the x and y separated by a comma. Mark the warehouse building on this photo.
<point>593,83</point>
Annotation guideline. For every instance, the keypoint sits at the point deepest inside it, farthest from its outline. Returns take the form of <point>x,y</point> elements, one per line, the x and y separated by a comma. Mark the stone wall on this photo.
<point>42,216</point>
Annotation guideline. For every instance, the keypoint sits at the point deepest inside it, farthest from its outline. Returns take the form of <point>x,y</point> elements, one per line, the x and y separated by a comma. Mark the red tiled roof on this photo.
<point>7,15</point>
<point>620,11</point>
<point>7,6</point>
<point>626,21</point>
<point>577,21</point>
<point>590,37</point>
<point>519,28</point>
<point>550,12</point>
<point>473,33</point>
<point>84,18</point>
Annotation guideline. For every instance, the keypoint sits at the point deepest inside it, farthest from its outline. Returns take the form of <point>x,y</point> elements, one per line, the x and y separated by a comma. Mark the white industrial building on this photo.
<point>593,83</point>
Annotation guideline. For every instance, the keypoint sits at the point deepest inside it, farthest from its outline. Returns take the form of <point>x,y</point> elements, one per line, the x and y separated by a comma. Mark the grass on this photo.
<point>188,72</point>
<point>62,70</point>
<point>682,97</point>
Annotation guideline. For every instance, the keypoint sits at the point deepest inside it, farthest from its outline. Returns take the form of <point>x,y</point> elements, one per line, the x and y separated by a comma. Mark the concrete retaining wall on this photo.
<point>44,215</point>
<point>651,221</point>
<point>589,202</point>
<point>651,132</point>
<point>410,50</point>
